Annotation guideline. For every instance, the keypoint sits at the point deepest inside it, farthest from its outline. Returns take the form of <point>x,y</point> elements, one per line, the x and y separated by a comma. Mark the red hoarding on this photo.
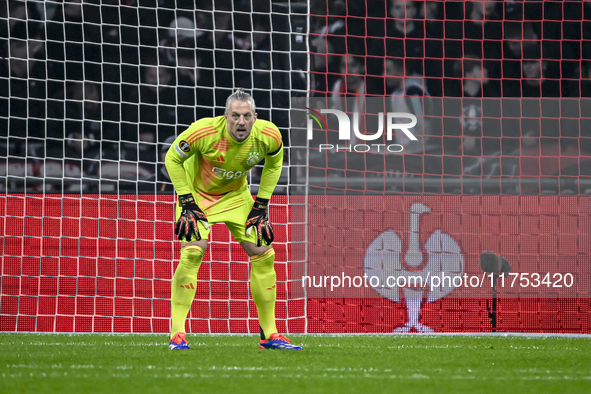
<point>104,264</point>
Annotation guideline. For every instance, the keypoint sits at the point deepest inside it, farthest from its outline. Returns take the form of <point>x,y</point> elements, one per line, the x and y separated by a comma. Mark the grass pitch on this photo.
<point>93,363</point>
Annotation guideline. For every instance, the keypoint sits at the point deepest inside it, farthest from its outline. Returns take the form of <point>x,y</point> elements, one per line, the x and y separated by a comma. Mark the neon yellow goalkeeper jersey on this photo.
<point>206,161</point>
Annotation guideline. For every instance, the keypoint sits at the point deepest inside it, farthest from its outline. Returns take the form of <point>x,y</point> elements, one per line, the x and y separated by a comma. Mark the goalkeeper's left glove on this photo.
<point>259,220</point>
<point>191,214</point>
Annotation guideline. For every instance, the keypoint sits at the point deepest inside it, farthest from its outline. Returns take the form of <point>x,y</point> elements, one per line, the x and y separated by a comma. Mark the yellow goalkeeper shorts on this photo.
<point>234,218</point>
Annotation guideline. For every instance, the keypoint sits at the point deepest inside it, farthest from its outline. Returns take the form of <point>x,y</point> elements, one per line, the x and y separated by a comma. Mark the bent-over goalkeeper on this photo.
<point>208,164</point>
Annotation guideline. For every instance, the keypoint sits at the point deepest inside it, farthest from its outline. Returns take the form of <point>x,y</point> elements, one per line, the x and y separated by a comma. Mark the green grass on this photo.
<point>83,363</point>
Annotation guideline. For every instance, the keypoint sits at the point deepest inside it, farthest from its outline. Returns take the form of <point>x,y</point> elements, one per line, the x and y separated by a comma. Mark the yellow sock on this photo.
<point>264,290</point>
<point>184,286</point>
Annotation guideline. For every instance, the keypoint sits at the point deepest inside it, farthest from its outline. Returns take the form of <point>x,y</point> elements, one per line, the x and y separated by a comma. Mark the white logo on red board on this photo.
<point>441,254</point>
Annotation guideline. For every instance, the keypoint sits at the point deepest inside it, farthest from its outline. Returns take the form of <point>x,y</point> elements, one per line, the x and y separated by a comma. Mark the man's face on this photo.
<point>353,71</point>
<point>514,46</point>
<point>350,66</point>
<point>156,77</point>
<point>477,73</point>
<point>239,119</point>
<point>18,58</point>
<point>532,69</point>
<point>402,9</point>
<point>393,74</point>
<point>489,7</point>
<point>486,7</point>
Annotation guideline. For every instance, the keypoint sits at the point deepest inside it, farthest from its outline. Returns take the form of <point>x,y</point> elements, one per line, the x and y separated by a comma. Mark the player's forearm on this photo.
<point>270,175</point>
<point>177,174</point>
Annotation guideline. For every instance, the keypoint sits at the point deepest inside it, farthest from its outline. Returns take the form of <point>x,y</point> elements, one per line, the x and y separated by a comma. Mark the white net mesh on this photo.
<point>93,93</point>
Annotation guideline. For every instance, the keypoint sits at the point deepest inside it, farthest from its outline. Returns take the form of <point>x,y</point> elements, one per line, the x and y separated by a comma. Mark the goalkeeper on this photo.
<point>208,164</point>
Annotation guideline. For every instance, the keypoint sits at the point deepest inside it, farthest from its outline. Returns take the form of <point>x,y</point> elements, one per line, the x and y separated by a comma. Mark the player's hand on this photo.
<point>191,214</point>
<point>258,219</point>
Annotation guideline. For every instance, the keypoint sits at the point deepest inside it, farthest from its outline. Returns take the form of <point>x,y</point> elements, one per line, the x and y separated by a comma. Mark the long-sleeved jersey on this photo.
<point>206,161</point>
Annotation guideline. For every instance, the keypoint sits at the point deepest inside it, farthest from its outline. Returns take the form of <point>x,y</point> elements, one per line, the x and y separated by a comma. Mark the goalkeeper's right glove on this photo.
<point>191,214</point>
<point>258,219</point>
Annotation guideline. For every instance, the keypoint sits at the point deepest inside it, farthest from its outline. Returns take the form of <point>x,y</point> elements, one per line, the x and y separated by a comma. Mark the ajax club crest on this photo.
<point>441,254</point>
<point>253,158</point>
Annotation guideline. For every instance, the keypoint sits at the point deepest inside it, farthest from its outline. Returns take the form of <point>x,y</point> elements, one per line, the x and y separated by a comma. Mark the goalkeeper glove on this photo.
<point>191,214</point>
<point>259,220</point>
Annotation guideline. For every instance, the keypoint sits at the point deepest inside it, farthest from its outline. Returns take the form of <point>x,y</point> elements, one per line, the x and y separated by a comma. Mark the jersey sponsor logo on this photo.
<point>184,145</point>
<point>253,158</point>
<point>227,174</point>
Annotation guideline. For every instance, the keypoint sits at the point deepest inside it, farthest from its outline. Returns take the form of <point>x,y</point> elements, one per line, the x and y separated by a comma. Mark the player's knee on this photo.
<point>264,259</point>
<point>253,250</point>
<point>192,255</point>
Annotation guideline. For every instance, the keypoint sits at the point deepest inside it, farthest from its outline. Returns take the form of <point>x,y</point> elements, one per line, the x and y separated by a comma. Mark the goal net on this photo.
<point>93,93</point>
<point>497,161</point>
<point>375,231</point>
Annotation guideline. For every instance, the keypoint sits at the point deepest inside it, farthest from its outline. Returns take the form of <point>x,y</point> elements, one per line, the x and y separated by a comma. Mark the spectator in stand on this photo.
<point>184,57</point>
<point>432,12</point>
<point>471,79</point>
<point>475,149</point>
<point>83,126</point>
<point>585,80</point>
<point>404,37</point>
<point>83,111</point>
<point>195,93</point>
<point>110,34</point>
<point>407,93</point>
<point>156,99</point>
<point>535,80</point>
<point>483,31</point>
<point>357,27</point>
<point>160,181</point>
<point>518,36</point>
<point>189,48</point>
<point>26,74</point>
<point>348,93</point>
<point>222,19</point>
<point>479,20</point>
<point>258,77</point>
<point>351,83</point>
<point>223,45</point>
<point>453,29</point>
<point>327,41</point>
<point>69,38</point>
<point>405,31</point>
<point>183,28</point>
<point>18,11</point>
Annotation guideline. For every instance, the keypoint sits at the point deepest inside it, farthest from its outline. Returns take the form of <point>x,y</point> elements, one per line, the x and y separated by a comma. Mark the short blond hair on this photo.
<point>241,95</point>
